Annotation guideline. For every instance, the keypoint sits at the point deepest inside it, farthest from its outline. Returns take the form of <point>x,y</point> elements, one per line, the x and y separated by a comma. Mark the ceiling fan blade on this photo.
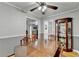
<point>52,7</point>
<point>39,3</point>
<point>33,9</point>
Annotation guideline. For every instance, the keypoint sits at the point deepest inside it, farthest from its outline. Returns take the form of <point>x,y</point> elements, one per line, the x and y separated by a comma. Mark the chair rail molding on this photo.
<point>3,37</point>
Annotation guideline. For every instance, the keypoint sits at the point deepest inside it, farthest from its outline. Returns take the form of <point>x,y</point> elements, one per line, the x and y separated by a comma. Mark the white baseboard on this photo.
<point>76,51</point>
<point>3,37</point>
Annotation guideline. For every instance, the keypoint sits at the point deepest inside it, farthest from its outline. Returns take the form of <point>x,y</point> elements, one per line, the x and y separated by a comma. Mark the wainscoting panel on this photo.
<point>7,45</point>
<point>76,43</point>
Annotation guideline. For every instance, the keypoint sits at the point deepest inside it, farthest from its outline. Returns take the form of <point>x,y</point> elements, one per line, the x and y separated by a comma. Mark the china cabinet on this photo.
<point>63,33</point>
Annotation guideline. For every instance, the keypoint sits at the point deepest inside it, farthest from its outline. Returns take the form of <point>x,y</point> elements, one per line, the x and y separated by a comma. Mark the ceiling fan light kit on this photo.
<point>44,8</point>
<point>39,8</point>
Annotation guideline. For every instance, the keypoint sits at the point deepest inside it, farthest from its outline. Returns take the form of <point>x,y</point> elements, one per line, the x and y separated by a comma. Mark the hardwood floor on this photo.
<point>42,48</point>
<point>39,48</point>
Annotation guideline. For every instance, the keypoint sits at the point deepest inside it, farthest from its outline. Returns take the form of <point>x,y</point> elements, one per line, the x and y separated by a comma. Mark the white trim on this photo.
<point>76,35</point>
<point>65,12</point>
<point>72,10</point>
<point>76,51</point>
<point>18,8</point>
<point>21,10</point>
<point>3,37</point>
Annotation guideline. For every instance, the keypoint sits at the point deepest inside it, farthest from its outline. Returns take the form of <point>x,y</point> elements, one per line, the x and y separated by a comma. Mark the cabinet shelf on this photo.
<point>62,37</point>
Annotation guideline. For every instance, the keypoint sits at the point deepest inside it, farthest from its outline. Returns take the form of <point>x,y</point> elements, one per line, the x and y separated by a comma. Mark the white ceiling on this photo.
<point>62,7</point>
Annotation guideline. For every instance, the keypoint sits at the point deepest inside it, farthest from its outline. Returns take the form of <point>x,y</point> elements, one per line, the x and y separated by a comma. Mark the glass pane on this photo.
<point>69,34</point>
<point>62,34</point>
<point>56,32</point>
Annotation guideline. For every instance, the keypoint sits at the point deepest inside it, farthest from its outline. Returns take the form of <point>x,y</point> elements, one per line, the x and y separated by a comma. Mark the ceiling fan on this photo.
<point>43,6</point>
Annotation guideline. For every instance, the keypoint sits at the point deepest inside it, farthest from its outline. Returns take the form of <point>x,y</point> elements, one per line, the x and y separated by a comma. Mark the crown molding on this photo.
<point>21,10</point>
<point>65,12</point>
<point>18,8</point>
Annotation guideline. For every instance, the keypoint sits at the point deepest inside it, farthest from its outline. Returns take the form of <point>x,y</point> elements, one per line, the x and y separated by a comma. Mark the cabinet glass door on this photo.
<point>62,34</point>
<point>69,35</point>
